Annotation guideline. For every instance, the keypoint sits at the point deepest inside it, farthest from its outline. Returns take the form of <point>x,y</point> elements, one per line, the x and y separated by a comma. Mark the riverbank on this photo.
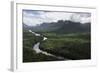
<point>30,55</point>
<point>38,50</point>
<point>55,47</point>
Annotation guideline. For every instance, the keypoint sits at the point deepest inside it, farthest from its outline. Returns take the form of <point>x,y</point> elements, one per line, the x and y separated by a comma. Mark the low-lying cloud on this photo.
<point>32,18</point>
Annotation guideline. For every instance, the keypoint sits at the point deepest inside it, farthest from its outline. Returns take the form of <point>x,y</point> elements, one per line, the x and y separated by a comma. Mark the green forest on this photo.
<point>67,39</point>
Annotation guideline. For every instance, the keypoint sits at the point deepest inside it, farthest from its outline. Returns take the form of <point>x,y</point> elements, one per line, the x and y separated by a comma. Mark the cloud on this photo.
<point>81,17</point>
<point>33,18</point>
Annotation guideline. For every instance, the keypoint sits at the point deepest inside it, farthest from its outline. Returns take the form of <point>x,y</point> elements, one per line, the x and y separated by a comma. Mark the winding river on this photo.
<point>38,50</point>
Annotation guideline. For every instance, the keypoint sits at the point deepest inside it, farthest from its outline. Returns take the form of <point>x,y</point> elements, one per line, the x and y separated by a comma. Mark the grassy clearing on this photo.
<point>70,46</point>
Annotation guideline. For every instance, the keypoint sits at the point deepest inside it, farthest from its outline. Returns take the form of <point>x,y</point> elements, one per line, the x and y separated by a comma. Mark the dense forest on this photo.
<point>65,38</point>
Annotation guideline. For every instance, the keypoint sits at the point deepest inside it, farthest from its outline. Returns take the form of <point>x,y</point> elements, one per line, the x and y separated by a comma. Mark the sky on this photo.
<point>33,17</point>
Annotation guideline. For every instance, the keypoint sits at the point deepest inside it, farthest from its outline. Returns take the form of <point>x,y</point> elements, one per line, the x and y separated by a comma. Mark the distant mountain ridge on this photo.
<point>60,27</point>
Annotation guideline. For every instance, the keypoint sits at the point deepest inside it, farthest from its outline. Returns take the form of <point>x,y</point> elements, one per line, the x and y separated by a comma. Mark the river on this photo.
<point>38,50</point>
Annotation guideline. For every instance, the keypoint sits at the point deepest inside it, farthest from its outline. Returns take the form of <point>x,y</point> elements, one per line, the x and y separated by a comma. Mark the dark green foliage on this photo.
<point>74,47</point>
<point>71,40</point>
<point>29,55</point>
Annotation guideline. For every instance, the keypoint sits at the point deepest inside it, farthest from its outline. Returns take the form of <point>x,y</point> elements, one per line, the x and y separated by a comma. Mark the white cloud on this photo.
<point>85,20</point>
<point>33,18</point>
<point>81,17</point>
